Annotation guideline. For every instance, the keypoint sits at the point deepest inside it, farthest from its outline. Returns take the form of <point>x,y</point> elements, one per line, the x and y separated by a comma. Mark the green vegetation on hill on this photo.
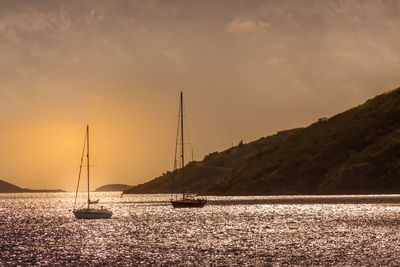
<point>203,176</point>
<point>357,151</point>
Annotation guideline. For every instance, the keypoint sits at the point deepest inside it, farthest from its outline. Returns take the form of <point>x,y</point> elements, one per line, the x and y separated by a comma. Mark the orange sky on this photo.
<point>247,68</point>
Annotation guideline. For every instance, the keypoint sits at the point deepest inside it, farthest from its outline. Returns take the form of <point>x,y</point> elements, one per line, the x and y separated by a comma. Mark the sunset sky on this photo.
<point>247,69</point>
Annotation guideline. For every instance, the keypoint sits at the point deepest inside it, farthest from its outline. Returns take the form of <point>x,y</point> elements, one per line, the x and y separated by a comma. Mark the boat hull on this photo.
<point>92,214</point>
<point>189,203</point>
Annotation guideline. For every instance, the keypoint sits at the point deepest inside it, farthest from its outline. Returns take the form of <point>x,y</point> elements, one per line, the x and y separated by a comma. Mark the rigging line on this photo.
<point>93,158</point>
<point>176,141</point>
<point>187,130</point>
<point>176,152</point>
<point>80,169</point>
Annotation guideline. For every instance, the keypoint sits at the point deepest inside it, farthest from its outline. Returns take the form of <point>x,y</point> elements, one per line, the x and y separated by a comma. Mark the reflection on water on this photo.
<point>40,229</point>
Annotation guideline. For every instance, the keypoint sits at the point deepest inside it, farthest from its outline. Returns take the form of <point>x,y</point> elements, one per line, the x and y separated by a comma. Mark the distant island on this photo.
<point>354,152</point>
<point>10,188</point>
<point>113,187</point>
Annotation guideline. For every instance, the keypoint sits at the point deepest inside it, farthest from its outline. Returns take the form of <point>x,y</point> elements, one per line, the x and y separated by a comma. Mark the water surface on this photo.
<point>40,229</point>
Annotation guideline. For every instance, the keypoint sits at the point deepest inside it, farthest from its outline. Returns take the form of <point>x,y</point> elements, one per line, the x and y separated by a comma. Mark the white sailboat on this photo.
<point>188,200</point>
<point>88,212</point>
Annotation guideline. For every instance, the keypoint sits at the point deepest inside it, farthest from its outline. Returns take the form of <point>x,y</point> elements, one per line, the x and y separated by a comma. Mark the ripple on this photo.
<point>40,229</point>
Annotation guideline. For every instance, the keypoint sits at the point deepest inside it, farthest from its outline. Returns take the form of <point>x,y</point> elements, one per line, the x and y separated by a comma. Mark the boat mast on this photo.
<point>183,150</point>
<point>80,170</point>
<point>176,150</point>
<point>87,155</point>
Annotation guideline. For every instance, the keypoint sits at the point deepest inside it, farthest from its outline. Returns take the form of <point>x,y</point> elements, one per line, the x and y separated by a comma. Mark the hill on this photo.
<point>202,176</point>
<point>113,187</point>
<point>10,188</point>
<point>354,152</point>
<point>357,151</point>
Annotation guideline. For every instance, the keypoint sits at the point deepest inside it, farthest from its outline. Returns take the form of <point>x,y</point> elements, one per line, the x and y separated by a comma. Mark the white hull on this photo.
<point>92,214</point>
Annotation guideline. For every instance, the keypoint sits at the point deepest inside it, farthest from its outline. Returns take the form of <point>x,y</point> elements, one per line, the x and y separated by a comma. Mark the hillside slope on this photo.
<point>113,187</point>
<point>357,151</point>
<point>203,176</point>
<point>9,188</point>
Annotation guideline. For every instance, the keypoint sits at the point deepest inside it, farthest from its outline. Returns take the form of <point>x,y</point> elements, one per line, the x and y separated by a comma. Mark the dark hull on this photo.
<point>92,214</point>
<point>189,203</point>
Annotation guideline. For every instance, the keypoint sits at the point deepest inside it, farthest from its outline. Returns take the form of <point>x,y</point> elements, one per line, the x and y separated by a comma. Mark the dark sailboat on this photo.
<point>88,213</point>
<point>188,200</point>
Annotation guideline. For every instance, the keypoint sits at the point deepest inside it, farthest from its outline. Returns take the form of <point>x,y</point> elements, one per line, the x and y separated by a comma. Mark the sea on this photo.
<point>40,229</point>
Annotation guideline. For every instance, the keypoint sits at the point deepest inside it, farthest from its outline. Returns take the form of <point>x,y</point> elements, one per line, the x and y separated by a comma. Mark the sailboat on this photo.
<point>188,200</point>
<point>88,212</point>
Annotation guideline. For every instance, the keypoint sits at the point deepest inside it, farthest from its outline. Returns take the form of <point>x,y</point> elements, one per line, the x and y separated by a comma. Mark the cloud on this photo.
<point>284,62</point>
<point>239,25</point>
<point>276,60</point>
